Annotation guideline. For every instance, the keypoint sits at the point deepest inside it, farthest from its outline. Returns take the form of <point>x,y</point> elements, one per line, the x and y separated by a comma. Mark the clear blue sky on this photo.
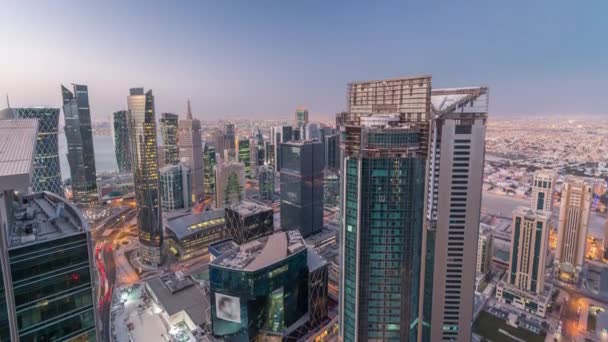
<point>264,58</point>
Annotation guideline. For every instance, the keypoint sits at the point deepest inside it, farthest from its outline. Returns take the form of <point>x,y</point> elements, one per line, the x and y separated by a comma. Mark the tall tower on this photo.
<point>79,136</point>
<point>542,190</point>
<point>122,142</point>
<point>142,127</point>
<point>168,130</point>
<point>301,117</point>
<point>229,184</point>
<point>453,205</point>
<point>191,153</point>
<point>244,156</point>
<point>572,230</point>
<point>47,172</point>
<point>384,149</point>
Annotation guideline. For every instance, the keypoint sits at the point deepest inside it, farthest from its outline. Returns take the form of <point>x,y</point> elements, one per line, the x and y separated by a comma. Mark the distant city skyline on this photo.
<point>248,59</point>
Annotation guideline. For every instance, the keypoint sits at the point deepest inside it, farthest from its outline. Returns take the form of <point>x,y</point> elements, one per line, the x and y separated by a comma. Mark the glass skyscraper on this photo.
<point>191,153</point>
<point>384,142</point>
<point>302,164</point>
<point>244,156</point>
<point>209,162</point>
<point>142,127</point>
<point>168,131</point>
<point>47,173</point>
<point>81,155</point>
<point>122,142</point>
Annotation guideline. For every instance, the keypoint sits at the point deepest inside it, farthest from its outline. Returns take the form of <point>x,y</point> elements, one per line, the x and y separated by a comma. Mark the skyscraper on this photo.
<point>229,184</point>
<point>209,162</point>
<point>384,149</point>
<point>332,152</point>
<point>450,237</point>
<point>142,127</point>
<point>168,131</point>
<point>244,156</point>
<point>122,142</point>
<point>81,154</point>
<point>229,142</point>
<point>301,117</point>
<point>47,173</point>
<point>175,187</point>
<point>574,214</point>
<point>542,190</point>
<point>266,181</point>
<point>302,165</point>
<point>191,152</point>
<point>278,135</point>
<point>484,252</point>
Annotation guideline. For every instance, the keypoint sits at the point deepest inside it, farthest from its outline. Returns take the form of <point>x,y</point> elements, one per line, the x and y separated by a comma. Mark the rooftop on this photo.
<point>248,208</point>
<point>263,252</point>
<point>176,292</point>
<point>185,225</point>
<point>41,217</point>
<point>17,146</point>
<point>446,100</point>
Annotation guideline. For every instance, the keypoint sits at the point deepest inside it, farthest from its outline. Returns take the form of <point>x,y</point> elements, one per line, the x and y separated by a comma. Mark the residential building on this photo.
<point>169,133</point>
<point>142,127</point>
<point>247,221</point>
<point>572,229</point>
<point>175,185</point>
<point>302,166</point>
<point>191,153</point>
<point>81,154</point>
<point>122,143</point>
<point>384,146</point>
<point>266,182</point>
<point>192,234</point>
<point>453,206</point>
<point>47,172</point>
<point>229,184</point>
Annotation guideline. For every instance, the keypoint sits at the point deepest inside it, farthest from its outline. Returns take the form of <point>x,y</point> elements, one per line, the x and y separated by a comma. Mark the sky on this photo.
<point>261,59</point>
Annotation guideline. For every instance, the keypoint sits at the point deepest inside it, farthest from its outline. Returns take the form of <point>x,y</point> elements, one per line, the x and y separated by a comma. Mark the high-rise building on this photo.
<point>384,149</point>
<point>79,136</point>
<point>523,285</point>
<point>47,286</point>
<point>209,162</point>
<point>168,131</point>
<point>249,221</point>
<point>175,187</point>
<point>278,135</point>
<point>142,127</point>
<point>542,190</point>
<point>331,189</point>
<point>191,152</point>
<point>122,143</point>
<point>484,252</point>
<point>47,172</point>
<point>453,205</point>
<point>310,131</point>
<point>332,152</point>
<point>230,142</point>
<point>244,156</point>
<point>574,214</point>
<point>301,117</point>
<point>266,182</point>
<point>229,184</point>
<point>272,288</point>
<point>302,166</point>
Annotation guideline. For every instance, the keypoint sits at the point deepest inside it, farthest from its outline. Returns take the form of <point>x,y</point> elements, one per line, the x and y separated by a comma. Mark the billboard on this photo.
<point>228,308</point>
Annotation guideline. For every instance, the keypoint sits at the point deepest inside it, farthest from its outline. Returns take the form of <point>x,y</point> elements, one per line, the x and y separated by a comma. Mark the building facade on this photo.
<point>574,214</point>
<point>266,182</point>
<point>47,172</point>
<point>192,234</point>
<point>122,143</point>
<point>543,183</point>
<point>175,186</point>
<point>279,135</point>
<point>302,166</point>
<point>209,162</point>
<point>248,221</point>
<point>332,152</point>
<point>301,116</point>
<point>79,136</point>
<point>453,206</point>
<point>229,184</point>
<point>244,156</point>
<point>168,130</point>
<point>191,153</point>
<point>484,252</point>
<point>142,127</point>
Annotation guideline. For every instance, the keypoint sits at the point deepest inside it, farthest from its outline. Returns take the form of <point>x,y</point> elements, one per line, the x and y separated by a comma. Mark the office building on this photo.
<point>301,116</point>
<point>331,189</point>
<point>175,187</point>
<point>47,172</point>
<point>269,154</point>
<point>45,251</point>
<point>247,221</point>
<point>523,285</point>
<point>484,252</point>
<point>574,214</point>
<point>332,152</point>
<point>230,142</point>
<point>168,131</point>
<point>384,149</point>
<point>229,184</point>
<point>244,155</point>
<point>266,182</point>
<point>191,153</point>
<point>302,165</point>
<point>142,127</point>
<point>453,207</point>
<point>81,155</point>
<point>542,190</point>
<point>122,143</point>
<point>310,131</point>
<point>209,162</point>
<point>272,288</point>
<point>192,234</point>
<point>278,135</point>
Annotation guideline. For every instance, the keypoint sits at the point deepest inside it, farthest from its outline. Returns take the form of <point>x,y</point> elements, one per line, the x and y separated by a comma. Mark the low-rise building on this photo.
<point>535,303</point>
<point>248,220</point>
<point>191,234</point>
